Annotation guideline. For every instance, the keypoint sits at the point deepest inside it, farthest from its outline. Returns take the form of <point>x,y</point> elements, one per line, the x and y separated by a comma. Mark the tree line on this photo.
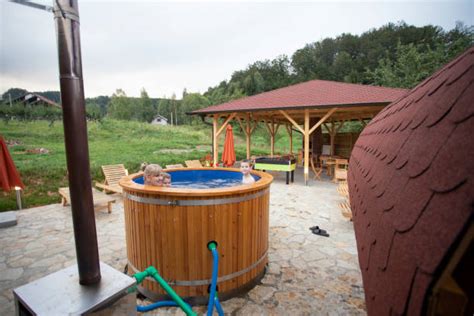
<point>394,55</point>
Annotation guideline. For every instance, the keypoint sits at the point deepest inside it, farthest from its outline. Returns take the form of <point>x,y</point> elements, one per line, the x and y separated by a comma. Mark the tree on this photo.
<point>93,111</point>
<point>102,101</point>
<point>164,108</point>
<point>259,82</point>
<point>343,67</point>
<point>145,111</point>
<point>458,39</point>
<point>174,110</point>
<point>54,96</point>
<point>120,107</point>
<point>192,102</point>
<point>413,63</point>
<point>13,93</point>
<point>303,62</point>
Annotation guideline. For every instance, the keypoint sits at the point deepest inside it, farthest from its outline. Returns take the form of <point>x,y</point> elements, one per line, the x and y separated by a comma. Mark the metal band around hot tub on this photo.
<point>207,281</point>
<point>155,201</point>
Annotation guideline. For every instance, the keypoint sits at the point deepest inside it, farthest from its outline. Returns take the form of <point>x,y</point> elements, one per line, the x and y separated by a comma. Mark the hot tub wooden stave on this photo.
<point>174,238</point>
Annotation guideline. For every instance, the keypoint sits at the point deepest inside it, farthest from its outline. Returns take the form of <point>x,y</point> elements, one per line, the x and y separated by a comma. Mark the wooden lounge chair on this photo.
<point>193,164</point>
<point>340,170</point>
<point>343,189</point>
<point>346,209</point>
<point>113,174</point>
<point>98,197</point>
<point>176,166</point>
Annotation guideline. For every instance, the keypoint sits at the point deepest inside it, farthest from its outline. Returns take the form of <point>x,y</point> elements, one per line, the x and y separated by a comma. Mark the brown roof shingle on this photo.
<point>314,93</point>
<point>411,181</point>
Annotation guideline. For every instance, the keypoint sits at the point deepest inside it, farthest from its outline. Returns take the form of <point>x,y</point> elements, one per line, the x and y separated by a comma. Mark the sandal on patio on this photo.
<point>318,231</point>
<point>317,228</point>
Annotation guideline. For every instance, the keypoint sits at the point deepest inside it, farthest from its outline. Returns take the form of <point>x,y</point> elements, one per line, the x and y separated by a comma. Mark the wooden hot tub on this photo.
<point>170,228</point>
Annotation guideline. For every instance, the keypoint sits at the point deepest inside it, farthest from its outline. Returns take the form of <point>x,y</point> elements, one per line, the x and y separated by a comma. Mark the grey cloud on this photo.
<point>165,47</point>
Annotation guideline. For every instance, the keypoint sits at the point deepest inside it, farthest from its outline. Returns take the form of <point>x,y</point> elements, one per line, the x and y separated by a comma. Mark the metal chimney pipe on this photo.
<point>66,15</point>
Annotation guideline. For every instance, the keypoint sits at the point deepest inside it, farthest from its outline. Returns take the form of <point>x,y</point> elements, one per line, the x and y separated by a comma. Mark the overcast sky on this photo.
<point>165,47</point>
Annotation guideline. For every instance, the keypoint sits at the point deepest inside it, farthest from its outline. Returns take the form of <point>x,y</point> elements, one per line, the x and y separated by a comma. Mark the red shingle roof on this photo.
<point>314,93</point>
<point>411,181</point>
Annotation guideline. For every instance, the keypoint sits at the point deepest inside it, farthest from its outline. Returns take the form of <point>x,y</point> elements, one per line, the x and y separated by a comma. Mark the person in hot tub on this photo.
<point>245,168</point>
<point>153,175</point>
<point>166,179</point>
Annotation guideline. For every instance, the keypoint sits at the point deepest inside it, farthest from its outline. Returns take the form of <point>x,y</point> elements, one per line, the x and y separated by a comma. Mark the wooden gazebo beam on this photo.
<point>272,128</point>
<point>299,119</point>
<point>290,133</point>
<point>342,114</point>
<point>289,118</point>
<point>333,130</point>
<point>216,131</point>
<point>306,131</point>
<point>248,130</point>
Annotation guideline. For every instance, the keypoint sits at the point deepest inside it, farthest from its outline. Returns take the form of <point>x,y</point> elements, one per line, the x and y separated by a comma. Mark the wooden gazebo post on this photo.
<point>333,130</point>
<point>216,132</point>
<point>272,130</point>
<point>215,118</point>
<point>248,130</point>
<point>290,133</point>
<point>306,131</point>
<point>248,133</point>
<point>306,146</point>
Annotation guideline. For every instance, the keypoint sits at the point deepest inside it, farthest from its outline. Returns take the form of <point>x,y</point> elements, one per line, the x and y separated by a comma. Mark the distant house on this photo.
<point>35,99</point>
<point>159,120</point>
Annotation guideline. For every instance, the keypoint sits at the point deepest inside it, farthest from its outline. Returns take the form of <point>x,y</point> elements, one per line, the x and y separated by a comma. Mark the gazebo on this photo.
<point>303,107</point>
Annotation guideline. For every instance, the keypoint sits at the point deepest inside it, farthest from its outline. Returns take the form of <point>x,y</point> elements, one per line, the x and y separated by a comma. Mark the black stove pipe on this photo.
<point>66,16</point>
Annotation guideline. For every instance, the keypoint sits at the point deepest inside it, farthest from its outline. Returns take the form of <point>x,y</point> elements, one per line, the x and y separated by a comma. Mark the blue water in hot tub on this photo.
<point>203,179</point>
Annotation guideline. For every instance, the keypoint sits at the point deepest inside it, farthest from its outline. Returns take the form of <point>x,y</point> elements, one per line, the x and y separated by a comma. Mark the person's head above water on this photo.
<point>245,167</point>
<point>166,179</point>
<point>152,175</point>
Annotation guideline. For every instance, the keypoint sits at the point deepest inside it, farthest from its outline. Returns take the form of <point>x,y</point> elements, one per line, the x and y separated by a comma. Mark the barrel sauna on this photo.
<point>169,228</point>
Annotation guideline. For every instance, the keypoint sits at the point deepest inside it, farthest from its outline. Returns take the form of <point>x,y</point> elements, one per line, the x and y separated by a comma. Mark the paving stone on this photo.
<point>251,309</point>
<point>8,294</point>
<point>233,304</point>
<point>47,262</point>
<point>270,279</point>
<point>4,300</point>
<point>298,264</point>
<point>7,309</point>
<point>306,274</point>
<point>330,251</point>
<point>313,255</point>
<point>293,303</point>
<point>260,293</point>
<point>346,264</point>
<point>273,268</point>
<point>9,274</point>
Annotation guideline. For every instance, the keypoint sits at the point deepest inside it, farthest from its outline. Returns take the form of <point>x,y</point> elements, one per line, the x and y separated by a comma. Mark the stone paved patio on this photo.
<point>307,274</point>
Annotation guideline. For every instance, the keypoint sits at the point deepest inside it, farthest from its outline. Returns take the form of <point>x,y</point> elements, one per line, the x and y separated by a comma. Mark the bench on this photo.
<point>98,197</point>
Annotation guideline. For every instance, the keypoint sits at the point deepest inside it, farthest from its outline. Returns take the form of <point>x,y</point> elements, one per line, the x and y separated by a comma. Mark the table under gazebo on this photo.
<point>305,107</point>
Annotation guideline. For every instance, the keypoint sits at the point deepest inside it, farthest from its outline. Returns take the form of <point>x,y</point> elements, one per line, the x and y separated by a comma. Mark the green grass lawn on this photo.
<point>111,142</point>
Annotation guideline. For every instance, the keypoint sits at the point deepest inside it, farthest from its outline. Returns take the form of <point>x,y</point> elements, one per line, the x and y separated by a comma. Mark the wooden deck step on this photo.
<point>346,210</point>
